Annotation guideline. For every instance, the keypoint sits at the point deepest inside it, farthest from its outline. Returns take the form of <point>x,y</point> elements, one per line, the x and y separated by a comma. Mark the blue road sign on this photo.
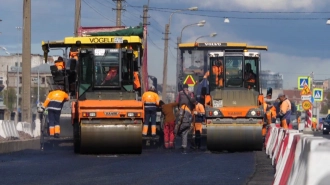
<point>302,81</point>
<point>318,94</point>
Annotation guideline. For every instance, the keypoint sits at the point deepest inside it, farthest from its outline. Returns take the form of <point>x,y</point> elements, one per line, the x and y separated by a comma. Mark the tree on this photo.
<point>9,98</point>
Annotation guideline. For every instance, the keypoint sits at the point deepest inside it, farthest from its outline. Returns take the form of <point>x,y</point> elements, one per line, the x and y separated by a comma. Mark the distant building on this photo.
<point>11,62</point>
<point>271,79</point>
<point>44,72</point>
<point>318,84</point>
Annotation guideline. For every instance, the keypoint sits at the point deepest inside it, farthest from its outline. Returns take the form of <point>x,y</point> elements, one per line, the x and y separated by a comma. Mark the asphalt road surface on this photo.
<point>59,165</point>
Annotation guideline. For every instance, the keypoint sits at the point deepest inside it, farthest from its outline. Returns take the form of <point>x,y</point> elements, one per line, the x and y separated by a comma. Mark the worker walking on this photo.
<point>285,111</point>
<point>169,123</point>
<point>151,101</point>
<point>199,120</point>
<point>54,104</point>
<point>183,125</point>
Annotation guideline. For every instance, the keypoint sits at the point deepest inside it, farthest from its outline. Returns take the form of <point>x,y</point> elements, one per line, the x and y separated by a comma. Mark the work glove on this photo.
<point>41,109</point>
<point>46,112</point>
<point>195,112</point>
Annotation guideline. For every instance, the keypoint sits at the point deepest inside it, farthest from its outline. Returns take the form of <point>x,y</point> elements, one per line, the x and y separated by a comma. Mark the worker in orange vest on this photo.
<point>285,111</point>
<point>199,120</point>
<point>217,73</point>
<point>150,100</point>
<point>249,76</point>
<point>270,114</point>
<point>60,64</point>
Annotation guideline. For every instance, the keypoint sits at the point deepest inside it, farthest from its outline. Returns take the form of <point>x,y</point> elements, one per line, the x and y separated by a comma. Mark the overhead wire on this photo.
<point>104,5</point>
<point>95,10</point>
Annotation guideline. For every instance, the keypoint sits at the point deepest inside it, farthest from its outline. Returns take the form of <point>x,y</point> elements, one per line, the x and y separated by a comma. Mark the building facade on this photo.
<point>271,79</point>
<point>44,73</point>
<point>10,63</point>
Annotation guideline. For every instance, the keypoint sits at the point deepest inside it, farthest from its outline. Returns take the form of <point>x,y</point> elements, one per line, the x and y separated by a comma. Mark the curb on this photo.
<point>18,145</point>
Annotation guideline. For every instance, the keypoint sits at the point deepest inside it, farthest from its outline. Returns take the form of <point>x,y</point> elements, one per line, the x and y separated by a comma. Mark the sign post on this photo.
<point>307,97</point>
<point>190,82</point>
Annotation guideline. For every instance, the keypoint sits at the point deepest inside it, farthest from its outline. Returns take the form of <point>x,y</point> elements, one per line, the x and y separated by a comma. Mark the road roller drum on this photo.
<point>110,136</point>
<point>234,137</point>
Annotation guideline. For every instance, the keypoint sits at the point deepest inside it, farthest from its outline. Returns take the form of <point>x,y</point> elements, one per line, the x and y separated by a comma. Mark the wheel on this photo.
<point>76,137</point>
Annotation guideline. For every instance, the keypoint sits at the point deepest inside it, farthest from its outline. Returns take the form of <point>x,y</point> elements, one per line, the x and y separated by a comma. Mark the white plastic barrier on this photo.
<point>271,140</point>
<point>24,127</point>
<point>8,129</point>
<point>278,146</point>
<point>284,155</point>
<point>299,174</point>
<point>318,165</point>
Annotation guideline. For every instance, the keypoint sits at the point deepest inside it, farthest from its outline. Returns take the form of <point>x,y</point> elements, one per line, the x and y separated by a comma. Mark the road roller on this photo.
<point>103,80</point>
<point>232,94</point>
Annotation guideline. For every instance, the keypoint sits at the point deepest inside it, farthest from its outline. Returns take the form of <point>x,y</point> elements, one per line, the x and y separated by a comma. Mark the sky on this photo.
<point>295,31</point>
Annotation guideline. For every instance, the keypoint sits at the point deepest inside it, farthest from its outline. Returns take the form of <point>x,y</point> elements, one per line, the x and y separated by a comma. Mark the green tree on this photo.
<point>9,98</point>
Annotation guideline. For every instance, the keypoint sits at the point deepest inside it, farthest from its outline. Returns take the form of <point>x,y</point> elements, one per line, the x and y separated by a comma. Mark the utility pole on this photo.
<point>26,62</point>
<point>164,92</point>
<point>77,17</point>
<point>178,67</point>
<point>119,8</point>
<point>145,42</point>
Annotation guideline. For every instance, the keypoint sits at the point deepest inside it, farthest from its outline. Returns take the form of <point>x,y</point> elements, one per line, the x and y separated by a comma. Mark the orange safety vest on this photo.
<point>137,83</point>
<point>60,65</point>
<point>217,71</point>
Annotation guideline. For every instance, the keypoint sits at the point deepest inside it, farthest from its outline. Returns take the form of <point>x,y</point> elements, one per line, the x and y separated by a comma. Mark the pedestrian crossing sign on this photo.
<point>318,94</point>
<point>302,81</point>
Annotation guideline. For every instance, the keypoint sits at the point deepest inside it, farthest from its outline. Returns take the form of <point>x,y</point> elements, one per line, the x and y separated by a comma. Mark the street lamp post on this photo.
<point>17,85</point>
<point>179,59</point>
<point>167,30</point>
<point>211,35</point>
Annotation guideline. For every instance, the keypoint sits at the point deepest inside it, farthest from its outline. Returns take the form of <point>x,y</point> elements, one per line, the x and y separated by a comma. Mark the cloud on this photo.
<point>269,5</point>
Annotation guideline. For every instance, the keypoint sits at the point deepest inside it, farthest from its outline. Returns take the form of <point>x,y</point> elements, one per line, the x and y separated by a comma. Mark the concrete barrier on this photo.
<point>19,136</point>
<point>298,158</point>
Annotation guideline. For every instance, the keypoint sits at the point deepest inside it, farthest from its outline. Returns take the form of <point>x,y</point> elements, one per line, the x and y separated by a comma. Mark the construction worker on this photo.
<point>249,76</point>
<point>169,125</point>
<point>112,77</point>
<point>60,64</point>
<point>314,123</point>
<point>199,119</point>
<point>270,114</point>
<point>54,103</point>
<point>74,52</point>
<point>217,71</point>
<point>184,97</point>
<point>183,125</point>
<point>151,101</point>
<point>285,111</point>
<point>137,84</point>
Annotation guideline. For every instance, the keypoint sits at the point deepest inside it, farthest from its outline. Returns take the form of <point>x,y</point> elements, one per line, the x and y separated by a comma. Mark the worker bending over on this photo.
<point>285,111</point>
<point>54,104</point>
<point>169,123</point>
<point>199,120</point>
<point>151,101</point>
